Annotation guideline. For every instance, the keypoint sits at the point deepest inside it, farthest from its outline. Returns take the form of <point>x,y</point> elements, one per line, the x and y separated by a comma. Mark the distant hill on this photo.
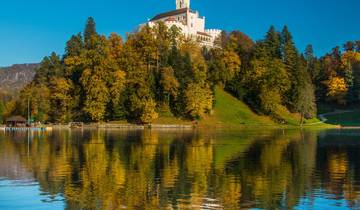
<point>15,77</point>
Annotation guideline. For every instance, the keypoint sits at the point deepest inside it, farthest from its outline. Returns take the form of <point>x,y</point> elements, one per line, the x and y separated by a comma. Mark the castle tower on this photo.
<point>180,4</point>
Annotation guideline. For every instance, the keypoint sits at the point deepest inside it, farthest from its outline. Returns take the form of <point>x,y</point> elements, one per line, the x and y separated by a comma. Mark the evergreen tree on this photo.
<point>50,66</point>
<point>291,61</point>
<point>349,46</point>
<point>74,46</point>
<point>273,43</point>
<point>90,30</point>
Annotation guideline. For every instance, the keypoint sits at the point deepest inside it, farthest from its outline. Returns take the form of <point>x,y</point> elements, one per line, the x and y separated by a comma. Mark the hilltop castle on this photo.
<point>189,21</point>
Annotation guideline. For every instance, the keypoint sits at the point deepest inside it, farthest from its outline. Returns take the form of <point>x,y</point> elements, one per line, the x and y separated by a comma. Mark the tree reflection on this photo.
<point>102,169</point>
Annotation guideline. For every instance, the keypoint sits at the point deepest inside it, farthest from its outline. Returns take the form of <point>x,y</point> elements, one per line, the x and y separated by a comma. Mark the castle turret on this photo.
<point>181,4</point>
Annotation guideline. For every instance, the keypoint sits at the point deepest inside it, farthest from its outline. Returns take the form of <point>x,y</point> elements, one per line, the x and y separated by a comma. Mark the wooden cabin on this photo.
<point>16,121</point>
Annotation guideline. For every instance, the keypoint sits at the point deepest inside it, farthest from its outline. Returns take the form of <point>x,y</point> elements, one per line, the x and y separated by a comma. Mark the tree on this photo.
<point>74,46</point>
<point>50,66</point>
<point>116,79</point>
<point>271,82</point>
<point>305,98</point>
<point>273,43</point>
<point>97,94</point>
<point>312,64</point>
<point>148,111</point>
<point>292,65</point>
<point>60,100</point>
<point>94,78</point>
<point>337,90</point>
<point>90,31</point>
<point>306,104</point>
<point>116,86</point>
<point>223,66</point>
<point>199,100</point>
<point>169,83</point>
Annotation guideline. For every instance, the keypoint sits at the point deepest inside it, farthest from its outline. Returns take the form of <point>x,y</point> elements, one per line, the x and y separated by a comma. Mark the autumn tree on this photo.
<point>116,80</point>
<point>199,100</point>
<point>169,84</point>
<point>138,81</point>
<point>337,90</point>
<point>60,100</point>
<point>223,66</point>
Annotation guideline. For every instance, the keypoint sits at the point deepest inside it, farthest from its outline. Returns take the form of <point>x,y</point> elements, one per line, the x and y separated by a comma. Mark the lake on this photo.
<point>143,169</point>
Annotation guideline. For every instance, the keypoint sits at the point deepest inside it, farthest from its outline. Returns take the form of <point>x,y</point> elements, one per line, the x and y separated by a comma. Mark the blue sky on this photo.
<point>32,29</point>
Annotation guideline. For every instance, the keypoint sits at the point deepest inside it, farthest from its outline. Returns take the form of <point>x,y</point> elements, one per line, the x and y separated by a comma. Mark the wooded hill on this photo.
<point>158,72</point>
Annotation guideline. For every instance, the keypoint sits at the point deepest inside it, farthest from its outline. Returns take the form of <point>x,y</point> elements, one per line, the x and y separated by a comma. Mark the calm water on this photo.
<point>99,169</point>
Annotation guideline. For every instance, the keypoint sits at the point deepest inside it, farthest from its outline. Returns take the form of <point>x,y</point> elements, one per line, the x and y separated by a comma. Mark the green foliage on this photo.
<point>273,43</point>
<point>90,31</point>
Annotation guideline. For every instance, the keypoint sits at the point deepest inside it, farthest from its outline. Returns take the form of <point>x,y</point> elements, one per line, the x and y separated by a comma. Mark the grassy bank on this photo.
<point>231,112</point>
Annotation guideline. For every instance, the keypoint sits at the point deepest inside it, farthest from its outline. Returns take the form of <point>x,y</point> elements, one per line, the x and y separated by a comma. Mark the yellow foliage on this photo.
<point>199,100</point>
<point>349,59</point>
<point>337,89</point>
<point>149,114</point>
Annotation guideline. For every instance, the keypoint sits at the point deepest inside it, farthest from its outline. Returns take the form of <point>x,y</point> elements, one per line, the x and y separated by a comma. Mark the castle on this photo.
<point>189,21</point>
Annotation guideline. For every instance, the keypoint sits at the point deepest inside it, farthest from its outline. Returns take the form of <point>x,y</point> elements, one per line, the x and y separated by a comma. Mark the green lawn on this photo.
<point>231,111</point>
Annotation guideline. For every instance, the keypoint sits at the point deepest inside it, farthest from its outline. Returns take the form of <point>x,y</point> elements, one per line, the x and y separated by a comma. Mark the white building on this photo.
<point>189,21</point>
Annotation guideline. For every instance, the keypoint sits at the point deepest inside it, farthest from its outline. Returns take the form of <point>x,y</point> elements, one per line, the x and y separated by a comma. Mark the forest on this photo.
<point>157,71</point>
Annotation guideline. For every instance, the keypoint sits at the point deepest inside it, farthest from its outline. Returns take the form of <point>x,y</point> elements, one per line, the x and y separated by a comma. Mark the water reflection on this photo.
<point>103,169</point>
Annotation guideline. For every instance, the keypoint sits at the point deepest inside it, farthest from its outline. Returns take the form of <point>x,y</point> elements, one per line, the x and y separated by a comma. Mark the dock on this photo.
<point>25,128</point>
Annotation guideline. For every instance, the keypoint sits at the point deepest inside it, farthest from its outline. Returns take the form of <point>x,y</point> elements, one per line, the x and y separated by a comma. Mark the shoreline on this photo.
<point>128,126</point>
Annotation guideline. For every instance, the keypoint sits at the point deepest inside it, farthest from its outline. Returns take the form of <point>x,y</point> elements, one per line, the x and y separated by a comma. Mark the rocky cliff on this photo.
<point>15,77</point>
